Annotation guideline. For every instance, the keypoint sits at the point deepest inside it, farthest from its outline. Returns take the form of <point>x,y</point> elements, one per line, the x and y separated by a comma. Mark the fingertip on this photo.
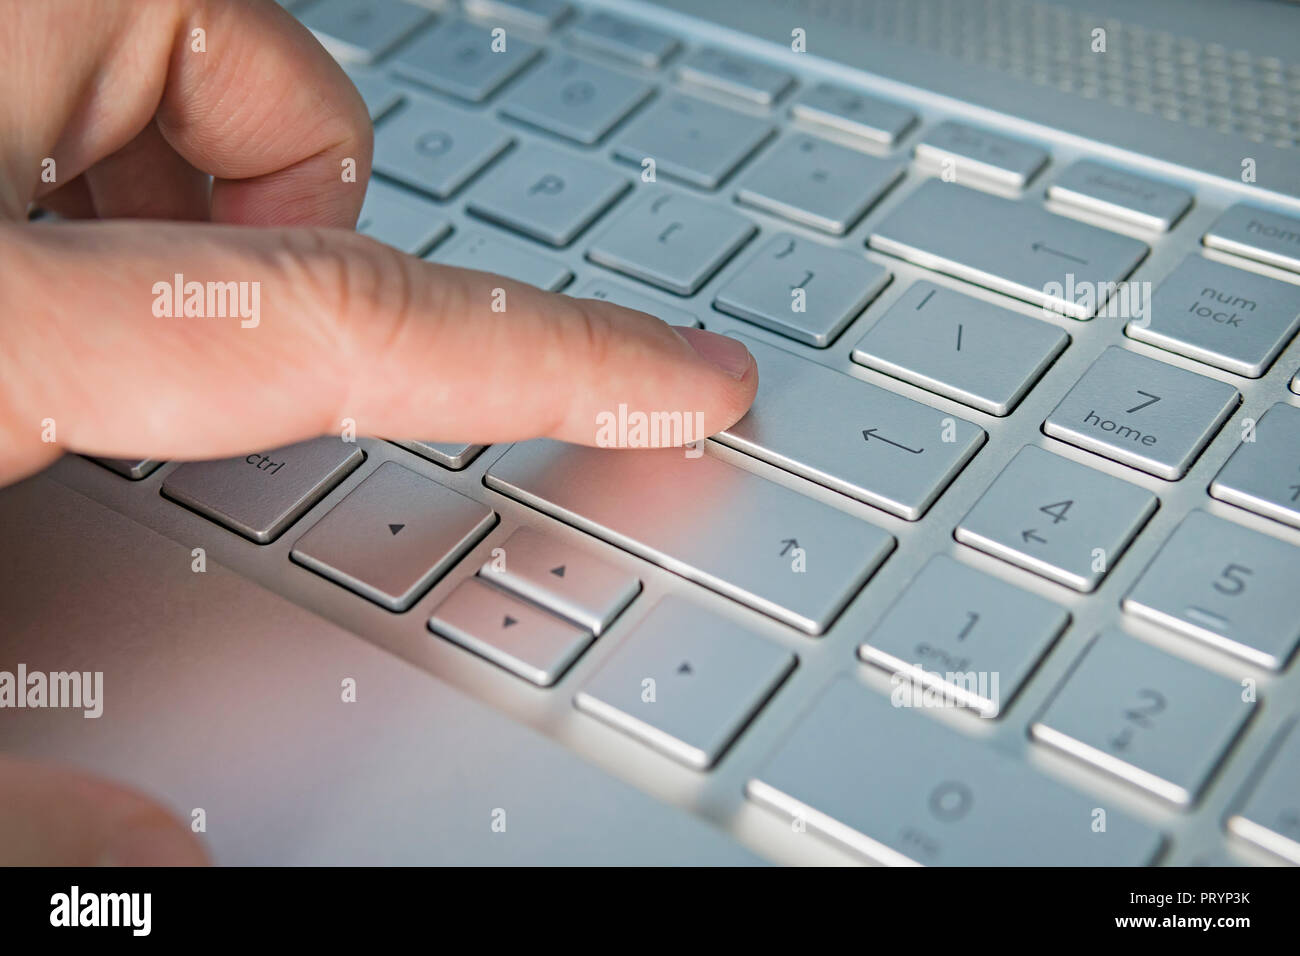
<point>736,391</point>
<point>633,360</point>
<point>723,351</point>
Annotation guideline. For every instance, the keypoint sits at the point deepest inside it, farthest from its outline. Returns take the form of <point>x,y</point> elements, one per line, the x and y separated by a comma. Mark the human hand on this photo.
<point>111,100</point>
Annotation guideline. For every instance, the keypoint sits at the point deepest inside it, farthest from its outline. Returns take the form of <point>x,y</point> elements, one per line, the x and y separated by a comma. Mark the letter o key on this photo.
<point>951,800</point>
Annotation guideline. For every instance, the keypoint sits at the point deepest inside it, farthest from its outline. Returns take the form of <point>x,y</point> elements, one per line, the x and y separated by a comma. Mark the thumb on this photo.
<point>56,817</point>
<point>345,328</point>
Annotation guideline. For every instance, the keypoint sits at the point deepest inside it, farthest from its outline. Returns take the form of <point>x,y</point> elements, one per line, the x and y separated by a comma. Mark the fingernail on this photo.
<point>721,350</point>
<point>154,844</point>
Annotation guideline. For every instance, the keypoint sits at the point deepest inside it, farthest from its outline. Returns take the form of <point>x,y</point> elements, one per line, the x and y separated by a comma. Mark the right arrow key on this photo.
<point>686,681</point>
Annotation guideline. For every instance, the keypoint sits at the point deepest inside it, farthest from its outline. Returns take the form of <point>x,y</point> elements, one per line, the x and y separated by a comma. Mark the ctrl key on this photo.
<point>260,495</point>
<point>900,788</point>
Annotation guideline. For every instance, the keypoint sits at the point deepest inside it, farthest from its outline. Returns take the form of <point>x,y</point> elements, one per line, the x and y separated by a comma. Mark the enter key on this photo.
<point>858,439</point>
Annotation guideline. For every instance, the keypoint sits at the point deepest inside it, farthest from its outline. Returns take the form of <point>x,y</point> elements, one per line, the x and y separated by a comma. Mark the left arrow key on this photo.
<point>393,563</point>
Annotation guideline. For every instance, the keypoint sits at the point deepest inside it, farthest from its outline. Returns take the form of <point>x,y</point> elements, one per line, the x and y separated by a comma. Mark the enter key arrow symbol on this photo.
<point>1041,246</point>
<point>870,433</point>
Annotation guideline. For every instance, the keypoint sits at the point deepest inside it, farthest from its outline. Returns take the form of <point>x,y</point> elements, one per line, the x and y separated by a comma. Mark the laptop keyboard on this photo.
<point>961,477</point>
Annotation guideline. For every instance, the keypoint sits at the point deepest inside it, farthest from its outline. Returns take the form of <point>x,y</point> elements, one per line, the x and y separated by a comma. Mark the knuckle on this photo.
<point>357,299</point>
<point>589,331</point>
<point>585,332</point>
<point>360,292</point>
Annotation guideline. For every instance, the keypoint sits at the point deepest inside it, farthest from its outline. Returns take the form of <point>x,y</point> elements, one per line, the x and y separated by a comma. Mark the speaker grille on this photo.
<point>1147,71</point>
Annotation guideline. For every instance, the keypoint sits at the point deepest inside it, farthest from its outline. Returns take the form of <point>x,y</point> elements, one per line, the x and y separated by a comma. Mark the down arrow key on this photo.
<point>508,631</point>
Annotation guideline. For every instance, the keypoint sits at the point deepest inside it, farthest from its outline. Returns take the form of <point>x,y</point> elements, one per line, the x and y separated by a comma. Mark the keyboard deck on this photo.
<point>1025,454</point>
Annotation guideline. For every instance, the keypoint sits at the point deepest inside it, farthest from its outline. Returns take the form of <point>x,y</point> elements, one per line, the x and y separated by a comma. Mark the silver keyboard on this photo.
<point>1027,458</point>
